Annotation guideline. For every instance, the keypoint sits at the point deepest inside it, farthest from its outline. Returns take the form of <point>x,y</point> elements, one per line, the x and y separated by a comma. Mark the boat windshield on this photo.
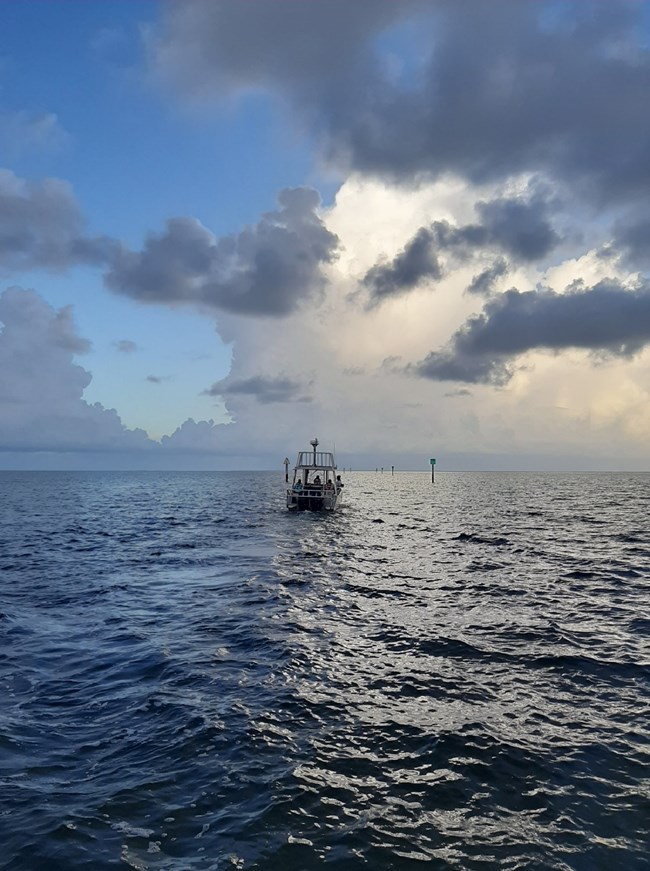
<point>323,460</point>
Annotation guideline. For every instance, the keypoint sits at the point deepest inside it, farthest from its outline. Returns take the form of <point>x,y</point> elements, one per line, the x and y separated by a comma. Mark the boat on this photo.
<point>315,485</point>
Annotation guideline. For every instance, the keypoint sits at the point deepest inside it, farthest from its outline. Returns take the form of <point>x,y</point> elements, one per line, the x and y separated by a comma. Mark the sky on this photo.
<point>416,229</point>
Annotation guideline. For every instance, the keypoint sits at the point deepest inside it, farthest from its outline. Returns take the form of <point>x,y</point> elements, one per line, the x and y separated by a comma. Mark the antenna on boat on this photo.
<point>314,444</point>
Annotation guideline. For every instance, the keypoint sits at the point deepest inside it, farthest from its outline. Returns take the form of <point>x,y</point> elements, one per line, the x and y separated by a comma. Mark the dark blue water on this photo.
<point>448,676</point>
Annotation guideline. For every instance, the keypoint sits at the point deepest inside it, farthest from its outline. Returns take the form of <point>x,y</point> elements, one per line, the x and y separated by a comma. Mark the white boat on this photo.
<point>315,485</point>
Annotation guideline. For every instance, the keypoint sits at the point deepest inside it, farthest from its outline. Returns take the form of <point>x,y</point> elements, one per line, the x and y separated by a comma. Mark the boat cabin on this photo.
<point>315,485</point>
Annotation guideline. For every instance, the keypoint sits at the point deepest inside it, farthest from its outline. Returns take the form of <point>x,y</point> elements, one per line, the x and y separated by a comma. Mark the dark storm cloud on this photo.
<point>517,226</point>
<point>632,240</point>
<point>483,283</point>
<point>261,388</point>
<point>266,269</point>
<point>606,318</point>
<point>520,228</point>
<point>491,89</point>
<point>453,366</point>
<point>416,262</point>
<point>41,227</point>
<point>209,48</point>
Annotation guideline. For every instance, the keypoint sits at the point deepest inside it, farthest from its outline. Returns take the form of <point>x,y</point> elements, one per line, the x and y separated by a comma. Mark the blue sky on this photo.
<point>133,159</point>
<point>406,227</point>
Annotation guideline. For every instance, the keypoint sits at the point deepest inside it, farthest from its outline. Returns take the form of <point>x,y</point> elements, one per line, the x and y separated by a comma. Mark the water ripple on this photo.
<point>456,674</point>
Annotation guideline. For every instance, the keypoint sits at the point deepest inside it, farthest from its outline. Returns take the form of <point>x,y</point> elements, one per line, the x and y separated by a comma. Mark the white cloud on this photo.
<point>41,387</point>
<point>556,405</point>
<point>24,131</point>
<point>381,411</point>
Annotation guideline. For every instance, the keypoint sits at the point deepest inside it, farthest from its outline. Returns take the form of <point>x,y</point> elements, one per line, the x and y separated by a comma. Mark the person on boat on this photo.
<point>317,481</point>
<point>328,484</point>
<point>297,487</point>
<point>339,483</point>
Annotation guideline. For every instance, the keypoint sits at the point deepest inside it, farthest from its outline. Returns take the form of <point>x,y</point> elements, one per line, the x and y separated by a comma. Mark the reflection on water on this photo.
<point>455,674</point>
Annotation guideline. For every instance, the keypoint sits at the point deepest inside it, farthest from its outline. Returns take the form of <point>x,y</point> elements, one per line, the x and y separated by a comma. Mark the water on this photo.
<point>449,676</point>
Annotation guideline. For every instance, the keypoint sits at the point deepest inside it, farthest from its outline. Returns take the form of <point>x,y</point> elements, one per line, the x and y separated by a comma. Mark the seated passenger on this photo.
<point>297,486</point>
<point>328,484</point>
<point>317,481</point>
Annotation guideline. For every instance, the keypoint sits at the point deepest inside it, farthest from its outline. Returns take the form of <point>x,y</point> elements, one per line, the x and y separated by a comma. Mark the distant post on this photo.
<point>433,470</point>
<point>286,469</point>
<point>392,470</point>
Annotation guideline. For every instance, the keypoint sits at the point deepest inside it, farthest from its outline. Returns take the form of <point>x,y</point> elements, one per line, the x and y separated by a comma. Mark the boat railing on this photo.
<point>316,490</point>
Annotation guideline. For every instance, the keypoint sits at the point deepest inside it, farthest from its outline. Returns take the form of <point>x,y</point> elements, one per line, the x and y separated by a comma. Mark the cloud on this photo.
<point>483,283</point>
<point>412,265</point>
<point>632,241</point>
<point>194,437</point>
<point>41,387</point>
<point>261,388</point>
<point>518,226</point>
<point>207,49</point>
<point>454,366</point>
<point>41,227</point>
<point>23,131</point>
<point>487,90</point>
<point>266,269</point>
<point>157,379</point>
<point>126,346</point>
<point>608,318</point>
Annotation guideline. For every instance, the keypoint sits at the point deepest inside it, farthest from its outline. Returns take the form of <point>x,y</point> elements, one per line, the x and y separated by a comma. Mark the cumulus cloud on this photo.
<point>266,269</point>
<point>495,88</point>
<point>261,388</point>
<point>608,318</point>
<point>41,387</point>
<point>194,437</point>
<point>41,227</point>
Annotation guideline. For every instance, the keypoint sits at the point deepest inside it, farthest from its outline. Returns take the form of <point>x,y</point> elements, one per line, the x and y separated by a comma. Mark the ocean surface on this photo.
<point>450,676</point>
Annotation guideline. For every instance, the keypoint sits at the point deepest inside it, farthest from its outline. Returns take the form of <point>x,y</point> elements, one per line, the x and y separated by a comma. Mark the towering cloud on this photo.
<point>41,387</point>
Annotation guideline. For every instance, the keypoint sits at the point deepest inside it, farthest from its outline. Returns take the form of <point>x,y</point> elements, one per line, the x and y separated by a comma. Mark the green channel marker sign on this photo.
<point>433,462</point>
